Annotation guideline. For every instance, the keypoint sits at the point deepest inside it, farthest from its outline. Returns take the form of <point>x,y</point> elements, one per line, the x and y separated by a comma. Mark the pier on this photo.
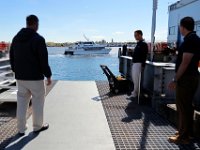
<point>84,110</point>
<point>84,115</point>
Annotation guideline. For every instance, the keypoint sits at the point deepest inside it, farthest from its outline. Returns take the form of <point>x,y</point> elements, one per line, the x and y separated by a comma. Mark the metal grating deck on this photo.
<point>8,121</point>
<point>137,127</point>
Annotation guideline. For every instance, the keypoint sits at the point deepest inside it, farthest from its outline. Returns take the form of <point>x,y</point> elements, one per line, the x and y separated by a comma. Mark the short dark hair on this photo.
<point>31,20</point>
<point>139,32</point>
<point>188,23</point>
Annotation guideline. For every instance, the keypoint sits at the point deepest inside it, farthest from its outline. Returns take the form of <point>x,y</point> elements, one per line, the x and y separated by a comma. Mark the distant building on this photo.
<point>103,41</point>
<point>179,10</point>
<point>112,41</point>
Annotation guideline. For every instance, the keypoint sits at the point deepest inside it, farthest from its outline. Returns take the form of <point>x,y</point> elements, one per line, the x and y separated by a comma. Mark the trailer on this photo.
<point>177,11</point>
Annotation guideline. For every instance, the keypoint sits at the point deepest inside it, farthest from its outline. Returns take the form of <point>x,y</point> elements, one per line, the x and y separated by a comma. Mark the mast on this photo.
<point>87,39</point>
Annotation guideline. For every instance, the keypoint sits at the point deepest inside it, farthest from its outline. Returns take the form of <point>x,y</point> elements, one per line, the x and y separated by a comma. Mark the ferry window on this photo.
<point>172,30</point>
<point>172,7</point>
<point>88,43</point>
<point>198,26</point>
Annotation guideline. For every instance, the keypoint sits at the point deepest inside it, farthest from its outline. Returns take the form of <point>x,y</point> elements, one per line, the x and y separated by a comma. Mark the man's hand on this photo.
<point>49,81</point>
<point>172,85</point>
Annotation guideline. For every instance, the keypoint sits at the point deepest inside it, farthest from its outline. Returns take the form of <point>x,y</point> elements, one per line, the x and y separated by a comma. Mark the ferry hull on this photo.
<point>178,11</point>
<point>87,52</point>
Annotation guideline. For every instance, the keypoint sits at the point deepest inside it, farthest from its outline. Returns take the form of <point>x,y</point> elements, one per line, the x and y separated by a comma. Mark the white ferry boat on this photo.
<point>87,48</point>
<point>179,10</point>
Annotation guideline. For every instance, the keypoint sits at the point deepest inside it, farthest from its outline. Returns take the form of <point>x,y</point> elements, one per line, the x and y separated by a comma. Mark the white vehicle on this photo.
<point>87,48</point>
<point>177,11</point>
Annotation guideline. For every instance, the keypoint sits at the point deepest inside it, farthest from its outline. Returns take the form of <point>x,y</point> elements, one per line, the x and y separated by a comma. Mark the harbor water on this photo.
<point>81,68</point>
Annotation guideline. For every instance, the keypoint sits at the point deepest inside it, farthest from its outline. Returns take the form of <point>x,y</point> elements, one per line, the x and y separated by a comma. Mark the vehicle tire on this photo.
<point>116,91</point>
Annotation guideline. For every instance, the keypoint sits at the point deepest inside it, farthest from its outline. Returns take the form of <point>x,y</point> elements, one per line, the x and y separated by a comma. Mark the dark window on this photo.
<point>172,30</point>
<point>198,26</point>
<point>88,43</point>
<point>173,7</point>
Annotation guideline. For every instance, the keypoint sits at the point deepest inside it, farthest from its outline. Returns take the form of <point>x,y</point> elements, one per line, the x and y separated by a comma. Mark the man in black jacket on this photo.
<point>139,59</point>
<point>29,62</point>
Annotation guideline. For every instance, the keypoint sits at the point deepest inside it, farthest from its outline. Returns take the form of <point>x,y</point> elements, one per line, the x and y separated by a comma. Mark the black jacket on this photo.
<point>140,53</point>
<point>29,56</point>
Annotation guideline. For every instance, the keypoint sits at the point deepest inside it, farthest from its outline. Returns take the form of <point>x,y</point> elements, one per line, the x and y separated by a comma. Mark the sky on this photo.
<point>68,20</point>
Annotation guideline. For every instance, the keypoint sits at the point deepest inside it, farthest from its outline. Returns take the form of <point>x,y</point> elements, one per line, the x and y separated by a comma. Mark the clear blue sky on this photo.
<point>68,20</point>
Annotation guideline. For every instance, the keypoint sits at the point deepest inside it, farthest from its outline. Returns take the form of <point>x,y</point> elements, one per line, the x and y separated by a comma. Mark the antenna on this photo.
<point>87,39</point>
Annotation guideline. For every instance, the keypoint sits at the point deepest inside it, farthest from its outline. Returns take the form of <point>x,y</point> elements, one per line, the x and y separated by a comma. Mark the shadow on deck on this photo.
<point>136,126</point>
<point>8,122</point>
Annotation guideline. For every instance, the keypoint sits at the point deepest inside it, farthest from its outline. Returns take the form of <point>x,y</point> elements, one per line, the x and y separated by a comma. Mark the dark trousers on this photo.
<point>185,91</point>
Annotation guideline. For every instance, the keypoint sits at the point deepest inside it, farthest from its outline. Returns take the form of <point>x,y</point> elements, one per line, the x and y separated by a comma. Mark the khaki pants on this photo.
<point>185,91</point>
<point>26,91</point>
<point>136,72</point>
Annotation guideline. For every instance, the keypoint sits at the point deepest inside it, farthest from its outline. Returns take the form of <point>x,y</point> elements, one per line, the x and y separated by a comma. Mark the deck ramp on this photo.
<point>76,121</point>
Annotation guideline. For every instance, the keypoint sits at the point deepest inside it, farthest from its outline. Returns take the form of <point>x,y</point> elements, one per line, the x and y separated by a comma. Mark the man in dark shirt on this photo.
<point>186,80</point>
<point>124,50</point>
<point>29,62</point>
<point>139,59</point>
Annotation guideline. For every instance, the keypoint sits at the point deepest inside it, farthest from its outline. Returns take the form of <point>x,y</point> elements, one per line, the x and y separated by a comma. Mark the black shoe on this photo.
<point>127,120</point>
<point>21,134</point>
<point>44,127</point>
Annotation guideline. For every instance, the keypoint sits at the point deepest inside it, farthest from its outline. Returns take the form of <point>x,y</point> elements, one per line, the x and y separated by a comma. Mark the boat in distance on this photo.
<point>87,48</point>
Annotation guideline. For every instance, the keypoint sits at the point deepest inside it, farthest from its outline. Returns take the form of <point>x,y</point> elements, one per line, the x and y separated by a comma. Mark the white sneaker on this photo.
<point>133,94</point>
<point>132,97</point>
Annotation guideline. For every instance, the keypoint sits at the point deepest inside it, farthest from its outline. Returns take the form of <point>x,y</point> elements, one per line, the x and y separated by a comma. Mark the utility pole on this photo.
<point>153,29</point>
